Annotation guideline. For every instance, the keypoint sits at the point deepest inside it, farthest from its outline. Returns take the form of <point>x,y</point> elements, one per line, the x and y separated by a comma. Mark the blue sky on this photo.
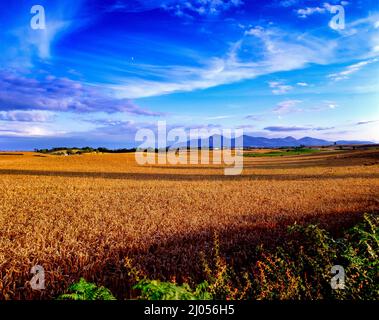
<point>100,70</point>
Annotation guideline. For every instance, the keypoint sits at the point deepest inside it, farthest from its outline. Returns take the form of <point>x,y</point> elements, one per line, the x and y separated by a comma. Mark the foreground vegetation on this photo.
<point>299,270</point>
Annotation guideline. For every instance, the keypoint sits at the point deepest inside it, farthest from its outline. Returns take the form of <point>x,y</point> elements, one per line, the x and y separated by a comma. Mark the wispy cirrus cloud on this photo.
<point>366,122</point>
<point>254,117</point>
<point>26,116</point>
<point>323,128</point>
<point>288,3</point>
<point>325,105</point>
<point>325,7</point>
<point>28,45</point>
<point>177,7</point>
<point>12,129</point>
<point>281,51</point>
<point>295,128</point>
<point>284,128</point>
<point>287,106</point>
<point>351,69</point>
<point>201,7</point>
<point>305,12</point>
<point>279,87</point>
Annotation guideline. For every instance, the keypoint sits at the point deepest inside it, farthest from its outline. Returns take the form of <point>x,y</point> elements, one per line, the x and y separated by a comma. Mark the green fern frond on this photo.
<point>84,290</point>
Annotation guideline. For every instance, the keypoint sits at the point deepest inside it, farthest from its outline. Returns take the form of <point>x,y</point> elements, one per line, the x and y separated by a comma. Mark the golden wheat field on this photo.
<point>82,215</point>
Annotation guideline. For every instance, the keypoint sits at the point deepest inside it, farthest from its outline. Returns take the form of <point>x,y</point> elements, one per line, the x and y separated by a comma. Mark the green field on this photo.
<point>281,153</point>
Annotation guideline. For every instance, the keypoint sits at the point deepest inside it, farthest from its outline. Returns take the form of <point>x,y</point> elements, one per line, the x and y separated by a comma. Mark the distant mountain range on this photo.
<point>292,142</point>
<point>261,142</point>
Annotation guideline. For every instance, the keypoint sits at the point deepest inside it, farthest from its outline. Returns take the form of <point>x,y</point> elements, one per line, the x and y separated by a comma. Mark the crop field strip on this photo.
<point>82,215</point>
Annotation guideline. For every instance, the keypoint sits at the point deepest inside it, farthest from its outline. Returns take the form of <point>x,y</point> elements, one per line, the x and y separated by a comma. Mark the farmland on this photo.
<point>82,215</point>
<point>289,152</point>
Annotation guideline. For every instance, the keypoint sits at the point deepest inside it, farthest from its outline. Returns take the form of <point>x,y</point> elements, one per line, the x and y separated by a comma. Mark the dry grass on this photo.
<point>82,215</point>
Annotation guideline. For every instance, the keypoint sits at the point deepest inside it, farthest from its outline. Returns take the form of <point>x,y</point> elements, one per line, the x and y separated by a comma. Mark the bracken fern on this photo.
<point>84,290</point>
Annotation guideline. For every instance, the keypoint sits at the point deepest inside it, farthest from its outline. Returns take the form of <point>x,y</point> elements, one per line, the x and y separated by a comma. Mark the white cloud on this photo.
<point>302,84</point>
<point>287,106</point>
<point>12,129</point>
<point>279,87</point>
<point>254,117</point>
<point>219,117</point>
<point>37,131</point>
<point>326,7</point>
<point>200,7</point>
<point>58,94</point>
<point>304,13</point>
<point>29,42</point>
<point>296,128</point>
<point>281,51</point>
<point>287,3</point>
<point>39,40</point>
<point>366,122</point>
<point>326,105</point>
<point>349,70</point>
<point>26,116</point>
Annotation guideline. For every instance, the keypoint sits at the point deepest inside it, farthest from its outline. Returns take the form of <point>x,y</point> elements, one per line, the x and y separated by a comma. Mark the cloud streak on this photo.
<point>282,51</point>
<point>287,106</point>
<point>295,128</point>
<point>179,8</point>
<point>279,87</point>
<point>26,116</point>
<point>351,69</point>
<point>201,7</point>
<point>61,94</point>
<point>326,7</point>
<point>366,122</point>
